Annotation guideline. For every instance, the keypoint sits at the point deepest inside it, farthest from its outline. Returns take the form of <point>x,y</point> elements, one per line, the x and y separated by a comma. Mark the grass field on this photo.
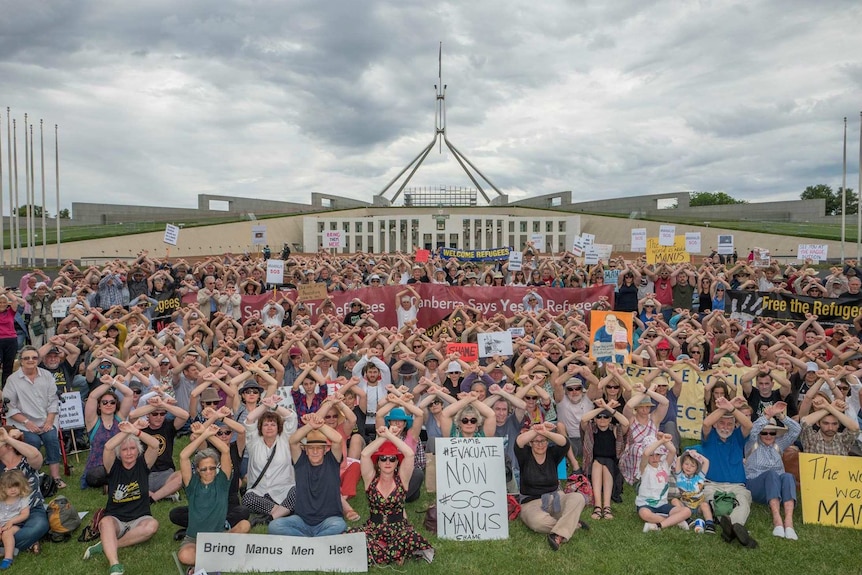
<point>616,546</point>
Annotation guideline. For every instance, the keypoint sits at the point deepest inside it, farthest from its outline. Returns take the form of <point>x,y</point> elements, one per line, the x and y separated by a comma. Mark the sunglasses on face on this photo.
<point>225,433</point>
<point>575,388</point>
<point>603,416</point>
<point>531,397</point>
<point>437,402</point>
<point>211,403</point>
<point>330,416</point>
<point>206,469</point>
<point>772,433</point>
<point>388,458</point>
<point>251,391</point>
<point>158,413</point>
<point>109,402</point>
<point>612,386</point>
<point>466,420</point>
<point>137,391</point>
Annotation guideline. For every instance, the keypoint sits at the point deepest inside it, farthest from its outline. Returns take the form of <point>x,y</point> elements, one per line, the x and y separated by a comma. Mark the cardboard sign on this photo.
<point>244,553</point>
<point>831,490</point>
<point>258,235</point>
<point>603,251</point>
<point>591,256</point>
<point>471,489</point>
<point>517,332</point>
<point>725,245</point>
<point>275,271</point>
<point>172,234</point>
<point>468,351</point>
<point>494,343</point>
<point>578,246</point>
<point>666,235</point>
<point>692,242</point>
<point>611,277</point>
<point>312,291</point>
<point>60,307</point>
<point>638,240</point>
<point>422,256</point>
<point>333,239</point>
<point>71,415</point>
<point>610,336</point>
<point>674,254</point>
<point>589,239</point>
<point>515,261</point>
<point>814,252</point>
<point>538,242</point>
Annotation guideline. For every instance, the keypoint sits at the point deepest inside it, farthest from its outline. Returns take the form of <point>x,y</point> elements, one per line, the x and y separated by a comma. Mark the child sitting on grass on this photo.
<point>654,471</point>
<point>690,471</point>
<point>14,510</point>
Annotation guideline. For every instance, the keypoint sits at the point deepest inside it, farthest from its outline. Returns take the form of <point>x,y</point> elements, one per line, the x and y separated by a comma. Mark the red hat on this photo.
<point>388,448</point>
<point>663,344</point>
<point>295,351</point>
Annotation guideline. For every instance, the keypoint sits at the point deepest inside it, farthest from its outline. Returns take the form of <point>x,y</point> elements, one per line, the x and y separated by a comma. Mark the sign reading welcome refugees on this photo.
<point>471,489</point>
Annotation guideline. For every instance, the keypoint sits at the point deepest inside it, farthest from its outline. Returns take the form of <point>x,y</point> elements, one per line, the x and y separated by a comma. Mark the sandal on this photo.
<point>598,513</point>
<point>352,515</point>
<point>60,483</point>
<point>607,513</point>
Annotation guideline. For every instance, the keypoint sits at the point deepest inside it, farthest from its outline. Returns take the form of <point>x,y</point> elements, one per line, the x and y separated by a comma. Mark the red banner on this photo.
<point>438,301</point>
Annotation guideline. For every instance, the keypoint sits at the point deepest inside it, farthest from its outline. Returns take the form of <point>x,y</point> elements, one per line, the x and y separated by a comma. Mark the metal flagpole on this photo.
<point>57,179</point>
<point>2,239</point>
<point>44,205</point>
<point>17,217</point>
<point>9,163</point>
<point>29,205</point>
<point>859,199</point>
<point>844,194</point>
<point>31,252</point>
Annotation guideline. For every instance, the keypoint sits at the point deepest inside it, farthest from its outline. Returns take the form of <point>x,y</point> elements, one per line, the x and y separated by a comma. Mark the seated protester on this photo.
<point>127,520</point>
<point>14,511</point>
<point>399,413</point>
<point>164,481</point>
<point>18,455</point>
<point>374,375</point>
<point>690,472</point>
<point>227,428</point>
<point>314,389</point>
<point>102,363</point>
<point>830,439</point>
<point>468,417</point>
<point>387,465</point>
<point>336,413</point>
<point>572,403</point>
<point>544,508</point>
<point>271,488</point>
<point>211,392</point>
<point>723,438</point>
<point>643,424</point>
<point>765,395</point>
<point>433,401</point>
<point>208,489</point>
<point>107,405</point>
<point>669,386</point>
<point>604,430</point>
<point>764,469</point>
<point>315,449</point>
<point>653,472</point>
<point>508,425</point>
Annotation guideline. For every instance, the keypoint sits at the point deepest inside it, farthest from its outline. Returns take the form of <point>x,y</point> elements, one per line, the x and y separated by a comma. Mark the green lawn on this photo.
<point>616,546</point>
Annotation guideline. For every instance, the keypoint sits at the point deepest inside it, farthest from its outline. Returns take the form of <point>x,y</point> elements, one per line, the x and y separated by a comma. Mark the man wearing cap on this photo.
<point>418,275</point>
<point>59,357</point>
<point>315,449</point>
<point>164,480</point>
<point>723,439</point>
<point>374,280</point>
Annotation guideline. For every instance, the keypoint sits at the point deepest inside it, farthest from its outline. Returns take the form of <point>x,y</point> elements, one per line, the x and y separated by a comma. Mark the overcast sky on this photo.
<point>160,101</point>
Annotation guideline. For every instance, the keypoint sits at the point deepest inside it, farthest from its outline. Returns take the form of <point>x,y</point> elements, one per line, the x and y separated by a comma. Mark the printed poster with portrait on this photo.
<point>610,336</point>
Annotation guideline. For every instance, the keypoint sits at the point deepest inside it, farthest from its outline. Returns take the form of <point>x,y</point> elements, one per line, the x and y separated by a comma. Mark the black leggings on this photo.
<point>8,351</point>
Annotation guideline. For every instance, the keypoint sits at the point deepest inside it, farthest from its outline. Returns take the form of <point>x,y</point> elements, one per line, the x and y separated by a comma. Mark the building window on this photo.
<point>523,226</point>
<point>561,226</point>
<point>358,227</point>
<point>549,227</point>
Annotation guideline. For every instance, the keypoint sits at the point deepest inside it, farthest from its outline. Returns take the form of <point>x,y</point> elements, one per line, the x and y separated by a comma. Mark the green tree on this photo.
<point>712,199</point>
<point>37,211</point>
<point>64,214</point>
<point>833,198</point>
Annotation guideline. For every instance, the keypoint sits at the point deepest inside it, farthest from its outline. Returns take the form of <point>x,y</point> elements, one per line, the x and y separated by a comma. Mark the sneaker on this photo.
<point>683,525</point>
<point>790,533</point>
<point>778,531</point>
<point>650,527</point>
<point>5,564</point>
<point>175,497</point>
<point>710,528</point>
<point>93,550</point>
<point>117,569</point>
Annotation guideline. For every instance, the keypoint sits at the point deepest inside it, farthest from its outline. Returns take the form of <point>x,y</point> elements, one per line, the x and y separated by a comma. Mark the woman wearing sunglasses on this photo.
<point>468,417</point>
<point>764,470</point>
<point>603,431</point>
<point>107,405</point>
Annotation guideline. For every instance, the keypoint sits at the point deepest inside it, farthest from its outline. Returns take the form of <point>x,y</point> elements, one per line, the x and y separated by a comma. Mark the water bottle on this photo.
<point>699,525</point>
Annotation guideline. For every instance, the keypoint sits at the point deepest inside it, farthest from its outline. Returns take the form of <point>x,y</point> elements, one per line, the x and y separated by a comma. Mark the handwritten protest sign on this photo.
<point>577,247</point>
<point>603,251</point>
<point>172,234</point>
<point>244,553</point>
<point>814,252</point>
<point>471,489</point>
<point>71,415</point>
<point>334,239</point>
<point>831,490</point>
<point>610,336</point>
<point>60,307</point>
<point>515,261</point>
<point>538,242</point>
<point>468,351</point>
<point>312,291</point>
<point>674,254</point>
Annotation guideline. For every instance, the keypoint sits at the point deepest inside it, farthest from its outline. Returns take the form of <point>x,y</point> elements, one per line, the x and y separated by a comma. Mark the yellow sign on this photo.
<point>831,490</point>
<point>689,406</point>
<point>674,254</point>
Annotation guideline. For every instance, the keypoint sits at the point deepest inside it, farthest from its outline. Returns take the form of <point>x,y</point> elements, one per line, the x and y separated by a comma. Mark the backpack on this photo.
<point>430,522</point>
<point>723,503</point>
<point>62,519</point>
<point>579,483</point>
<point>47,486</point>
<point>513,507</point>
<point>91,531</point>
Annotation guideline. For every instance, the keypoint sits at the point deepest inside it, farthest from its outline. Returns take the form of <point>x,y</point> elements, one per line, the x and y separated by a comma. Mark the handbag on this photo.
<point>37,327</point>
<point>578,483</point>
<point>723,503</point>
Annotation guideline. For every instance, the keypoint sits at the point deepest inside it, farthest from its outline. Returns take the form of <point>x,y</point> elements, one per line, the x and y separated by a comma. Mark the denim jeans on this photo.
<point>49,439</point>
<point>32,530</point>
<point>293,525</point>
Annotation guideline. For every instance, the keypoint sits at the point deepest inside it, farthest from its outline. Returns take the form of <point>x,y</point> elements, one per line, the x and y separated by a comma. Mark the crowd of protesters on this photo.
<point>288,409</point>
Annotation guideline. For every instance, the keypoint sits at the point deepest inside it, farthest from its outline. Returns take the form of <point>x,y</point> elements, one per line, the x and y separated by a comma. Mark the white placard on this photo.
<point>60,307</point>
<point>515,259</point>
<point>538,242</point>
<point>589,239</point>
<point>471,488</point>
<point>244,553</point>
<point>814,252</point>
<point>517,332</point>
<point>258,236</point>
<point>494,343</point>
<point>578,246</point>
<point>274,271</point>
<point>603,251</point>
<point>638,240</point>
<point>666,235</point>
<point>591,256</point>
<point>692,242</point>
<point>725,245</point>
<point>71,415</point>
<point>172,234</point>
<point>333,239</point>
